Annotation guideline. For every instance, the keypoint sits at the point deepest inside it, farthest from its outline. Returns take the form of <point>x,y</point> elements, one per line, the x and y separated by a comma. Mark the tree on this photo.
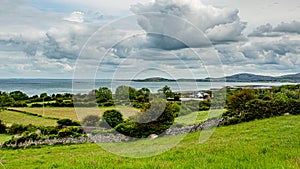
<point>156,124</point>
<point>18,95</point>
<point>166,90</point>
<point>237,101</point>
<point>143,95</point>
<point>43,95</point>
<point>113,117</point>
<point>5,100</point>
<point>125,93</point>
<point>103,95</point>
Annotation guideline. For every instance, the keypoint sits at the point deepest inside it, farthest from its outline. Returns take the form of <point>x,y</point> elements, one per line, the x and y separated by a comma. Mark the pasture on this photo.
<point>76,113</point>
<point>10,117</point>
<point>269,143</point>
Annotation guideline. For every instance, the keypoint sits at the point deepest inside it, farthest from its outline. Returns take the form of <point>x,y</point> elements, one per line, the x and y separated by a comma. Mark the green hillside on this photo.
<point>270,143</point>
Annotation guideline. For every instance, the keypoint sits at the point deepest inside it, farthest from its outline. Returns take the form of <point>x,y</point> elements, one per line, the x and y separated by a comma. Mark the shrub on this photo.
<point>48,130</point>
<point>67,122</point>
<point>19,128</point>
<point>70,131</point>
<point>25,136</point>
<point>91,120</point>
<point>113,117</point>
<point>156,125</point>
<point>204,105</point>
<point>2,128</point>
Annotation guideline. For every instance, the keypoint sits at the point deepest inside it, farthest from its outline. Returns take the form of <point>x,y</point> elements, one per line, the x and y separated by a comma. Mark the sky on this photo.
<point>148,38</point>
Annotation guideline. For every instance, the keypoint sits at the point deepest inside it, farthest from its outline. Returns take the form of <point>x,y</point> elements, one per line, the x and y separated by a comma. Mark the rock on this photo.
<point>153,136</point>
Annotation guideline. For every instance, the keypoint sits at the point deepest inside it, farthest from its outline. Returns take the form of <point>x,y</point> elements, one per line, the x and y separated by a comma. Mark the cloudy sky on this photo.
<point>144,38</point>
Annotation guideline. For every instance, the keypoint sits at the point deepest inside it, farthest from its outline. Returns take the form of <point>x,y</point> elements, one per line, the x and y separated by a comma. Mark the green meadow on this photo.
<point>269,143</point>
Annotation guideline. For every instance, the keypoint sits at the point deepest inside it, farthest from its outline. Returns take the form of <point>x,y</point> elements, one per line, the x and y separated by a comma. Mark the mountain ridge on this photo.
<point>240,77</point>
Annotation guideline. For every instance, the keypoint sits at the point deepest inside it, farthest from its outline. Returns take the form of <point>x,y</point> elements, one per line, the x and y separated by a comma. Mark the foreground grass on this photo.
<point>4,137</point>
<point>269,143</point>
<point>76,113</point>
<point>9,117</point>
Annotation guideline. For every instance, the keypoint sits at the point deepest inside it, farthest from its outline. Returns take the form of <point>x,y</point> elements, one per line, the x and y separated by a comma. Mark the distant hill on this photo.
<point>154,79</point>
<point>242,77</point>
<point>247,77</point>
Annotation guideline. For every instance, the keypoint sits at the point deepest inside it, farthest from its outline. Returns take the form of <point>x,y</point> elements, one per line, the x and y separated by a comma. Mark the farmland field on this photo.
<point>75,113</point>
<point>270,143</point>
<point>10,117</point>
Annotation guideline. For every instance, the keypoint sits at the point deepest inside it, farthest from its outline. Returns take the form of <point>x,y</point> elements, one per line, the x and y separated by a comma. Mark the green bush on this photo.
<point>70,131</point>
<point>204,105</point>
<point>19,128</point>
<point>25,136</point>
<point>2,128</point>
<point>48,130</point>
<point>113,117</point>
<point>155,125</point>
<point>67,122</point>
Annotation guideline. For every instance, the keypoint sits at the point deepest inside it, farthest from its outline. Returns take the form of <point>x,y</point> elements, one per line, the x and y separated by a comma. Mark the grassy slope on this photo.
<point>4,137</point>
<point>9,117</point>
<point>198,117</point>
<point>269,143</point>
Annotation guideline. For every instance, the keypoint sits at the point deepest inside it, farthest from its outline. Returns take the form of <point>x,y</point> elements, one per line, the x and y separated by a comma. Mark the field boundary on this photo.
<point>32,114</point>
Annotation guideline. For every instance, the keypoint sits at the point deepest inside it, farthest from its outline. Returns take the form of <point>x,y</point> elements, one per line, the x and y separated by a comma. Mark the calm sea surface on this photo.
<point>50,86</point>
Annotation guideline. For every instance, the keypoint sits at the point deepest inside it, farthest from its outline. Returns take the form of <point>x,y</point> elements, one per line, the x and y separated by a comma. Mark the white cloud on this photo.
<point>76,16</point>
<point>283,28</point>
<point>175,22</point>
<point>293,27</point>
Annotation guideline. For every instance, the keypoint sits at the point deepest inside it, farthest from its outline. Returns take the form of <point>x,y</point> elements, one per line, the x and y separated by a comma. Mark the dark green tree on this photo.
<point>157,122</point>
<point>143,95</point>
<point>113,117</point>
<point>103,94</point>
<point>125,93</point>
<point>5,100</point>
<point>18,95</point>
<point>166,90</point>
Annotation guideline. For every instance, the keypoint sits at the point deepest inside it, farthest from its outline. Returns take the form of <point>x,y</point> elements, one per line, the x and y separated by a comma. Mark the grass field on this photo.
<point>9,117</point>
<point>4,137</point>
<point>80,113</point>
<point>270,143</point>
<point>198,117</point>
<point>76,113</point>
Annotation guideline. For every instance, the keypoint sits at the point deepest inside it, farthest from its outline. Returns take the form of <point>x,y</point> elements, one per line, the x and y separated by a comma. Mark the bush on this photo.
<point>48,130</point>
<point>19,128</point>
<point>70,131</point>
<point>67,122</point>
<point>91,120</point>
<point>25,136</point>
<point>113,117</point>
<point>156,125</point>
<point>2,128</point>
<point>204,105</point>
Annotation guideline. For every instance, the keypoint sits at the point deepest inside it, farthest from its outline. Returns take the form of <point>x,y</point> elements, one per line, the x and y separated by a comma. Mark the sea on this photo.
<point>59,86</point>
